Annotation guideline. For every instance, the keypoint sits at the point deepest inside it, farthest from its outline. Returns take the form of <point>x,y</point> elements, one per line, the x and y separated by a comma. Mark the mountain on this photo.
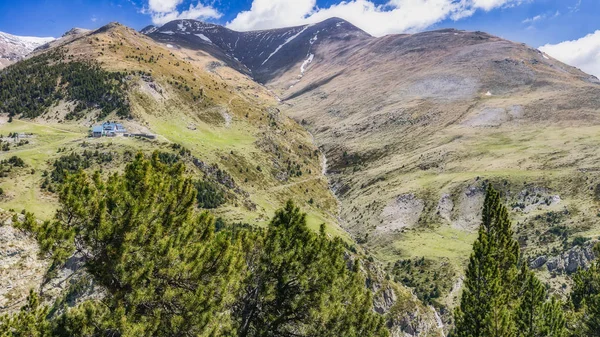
<point>14,48</point>
<point>414,125</point>
<point>262,54</point>
<point>389,141</point>
<point>189,107</point>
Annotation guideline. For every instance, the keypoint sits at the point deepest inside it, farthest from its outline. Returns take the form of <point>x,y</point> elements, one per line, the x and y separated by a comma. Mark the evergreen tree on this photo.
<point>30,321</point>
<point>166,270</point>
<point>485,309</point>
<point>536,317</point>
<point>300,285</point>
<point>585,297</point>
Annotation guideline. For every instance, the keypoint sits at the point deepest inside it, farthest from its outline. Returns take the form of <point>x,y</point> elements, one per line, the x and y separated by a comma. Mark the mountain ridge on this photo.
<point>278,47</point>
<point>14,47</point>
<point>413,125</point>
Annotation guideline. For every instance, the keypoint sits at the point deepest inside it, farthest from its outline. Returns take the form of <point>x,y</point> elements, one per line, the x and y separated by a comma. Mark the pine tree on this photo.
<point>300,285</point>
<point>485,309</point>
<point>29,321</point>
<point>166,270</point>
<point>534,315</point>
<point>585,297</point>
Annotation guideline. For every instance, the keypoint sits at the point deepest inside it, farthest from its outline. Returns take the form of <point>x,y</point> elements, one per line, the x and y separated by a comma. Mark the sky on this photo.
<point>568,30</point>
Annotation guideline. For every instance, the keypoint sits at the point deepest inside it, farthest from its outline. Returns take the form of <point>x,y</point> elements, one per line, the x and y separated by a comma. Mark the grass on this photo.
<point>443,242</point>
<point>23,186</point>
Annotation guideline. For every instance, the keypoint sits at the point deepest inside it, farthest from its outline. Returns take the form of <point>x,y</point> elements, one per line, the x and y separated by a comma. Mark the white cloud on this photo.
<point>542,17</point>
<point>163,11</point>
<point>534,19</point>
<point>583,53</point>
<point>396,16</point>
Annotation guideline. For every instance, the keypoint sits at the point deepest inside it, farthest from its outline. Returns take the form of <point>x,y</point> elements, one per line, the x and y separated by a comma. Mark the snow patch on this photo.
<point>488,93</point>
<point>286,42</point>
<point>169,46</point>
<point>308,61</point>
<point>545,56</point>
<point>314,38</point>
<point>168,32</point>
<point>203,37</point>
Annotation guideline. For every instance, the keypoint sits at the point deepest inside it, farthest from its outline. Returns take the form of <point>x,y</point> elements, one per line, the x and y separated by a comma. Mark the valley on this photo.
<point>390,142</point>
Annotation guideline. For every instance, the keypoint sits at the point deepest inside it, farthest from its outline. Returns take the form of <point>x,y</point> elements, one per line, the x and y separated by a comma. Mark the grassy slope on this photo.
<point>419,122</point>
<point>239,146</point>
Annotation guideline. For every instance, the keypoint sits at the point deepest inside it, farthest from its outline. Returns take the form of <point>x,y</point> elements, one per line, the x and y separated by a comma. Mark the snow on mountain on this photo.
<point>261,54</point>
<point>14,48</point>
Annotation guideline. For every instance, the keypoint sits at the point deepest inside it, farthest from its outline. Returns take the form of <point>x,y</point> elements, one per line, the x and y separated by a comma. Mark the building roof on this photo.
<point>97,128</point>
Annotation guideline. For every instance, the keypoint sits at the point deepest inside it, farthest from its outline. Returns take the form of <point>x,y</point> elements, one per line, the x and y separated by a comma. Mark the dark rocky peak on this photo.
<point>148,29</point>
<point>262,53</point>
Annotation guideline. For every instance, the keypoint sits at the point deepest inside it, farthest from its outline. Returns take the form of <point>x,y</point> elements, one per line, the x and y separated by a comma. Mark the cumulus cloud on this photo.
<point>396,16</point>
<point>583,53</point>
<point>163,11</point>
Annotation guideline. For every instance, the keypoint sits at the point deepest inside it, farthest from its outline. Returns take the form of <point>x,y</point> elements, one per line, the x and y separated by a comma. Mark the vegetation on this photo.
<point>429,278</point>
<point>209,195</point>
<point>29,88</point>
<point>167,271</point>
<point>499,299</point>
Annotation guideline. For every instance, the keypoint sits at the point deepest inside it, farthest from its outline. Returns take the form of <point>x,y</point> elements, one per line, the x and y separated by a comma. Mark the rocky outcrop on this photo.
<point>404,211</point>
<point>406,315</point>
<point>538,262</point>
<point>569,261</point>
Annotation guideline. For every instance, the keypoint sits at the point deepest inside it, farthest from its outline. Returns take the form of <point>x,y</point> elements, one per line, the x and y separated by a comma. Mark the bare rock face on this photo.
<point>403,211</point>
<point>406,315</point>
<point>569,261</point>
<point>538,262</point>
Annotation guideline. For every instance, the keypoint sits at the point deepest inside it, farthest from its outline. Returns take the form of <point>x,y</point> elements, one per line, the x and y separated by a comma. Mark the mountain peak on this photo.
<point>75,31</point>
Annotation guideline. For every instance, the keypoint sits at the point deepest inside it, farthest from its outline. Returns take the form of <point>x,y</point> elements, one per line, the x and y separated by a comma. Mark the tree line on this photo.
<point>30,87</point>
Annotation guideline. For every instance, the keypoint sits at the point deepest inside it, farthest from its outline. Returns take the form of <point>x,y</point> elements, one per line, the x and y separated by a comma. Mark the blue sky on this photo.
<point>555,20</point>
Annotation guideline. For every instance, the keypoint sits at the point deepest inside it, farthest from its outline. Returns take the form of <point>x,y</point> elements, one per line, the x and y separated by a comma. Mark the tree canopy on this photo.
<point>167,271</point>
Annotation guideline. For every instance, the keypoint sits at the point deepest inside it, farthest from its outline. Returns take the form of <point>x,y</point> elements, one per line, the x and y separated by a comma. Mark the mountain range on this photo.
<point>389,140</point>
<point>413,126</point>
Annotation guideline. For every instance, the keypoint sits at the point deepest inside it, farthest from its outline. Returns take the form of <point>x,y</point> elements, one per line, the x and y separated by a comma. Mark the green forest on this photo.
<point>29,88</point>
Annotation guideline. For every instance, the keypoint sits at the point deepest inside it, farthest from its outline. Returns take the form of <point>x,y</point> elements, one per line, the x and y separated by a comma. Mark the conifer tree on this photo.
<point>300,285</point>
<point>485,309</point>
<point>29,321</point>
<point>534,315</point>
<point>166,270</point>
<point>585,297</point>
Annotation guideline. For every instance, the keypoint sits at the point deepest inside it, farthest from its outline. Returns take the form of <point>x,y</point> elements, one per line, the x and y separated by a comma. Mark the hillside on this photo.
<point>413,126</point>
<point>248,157</point>
<point>389,141</point>
<point>220,115</point>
